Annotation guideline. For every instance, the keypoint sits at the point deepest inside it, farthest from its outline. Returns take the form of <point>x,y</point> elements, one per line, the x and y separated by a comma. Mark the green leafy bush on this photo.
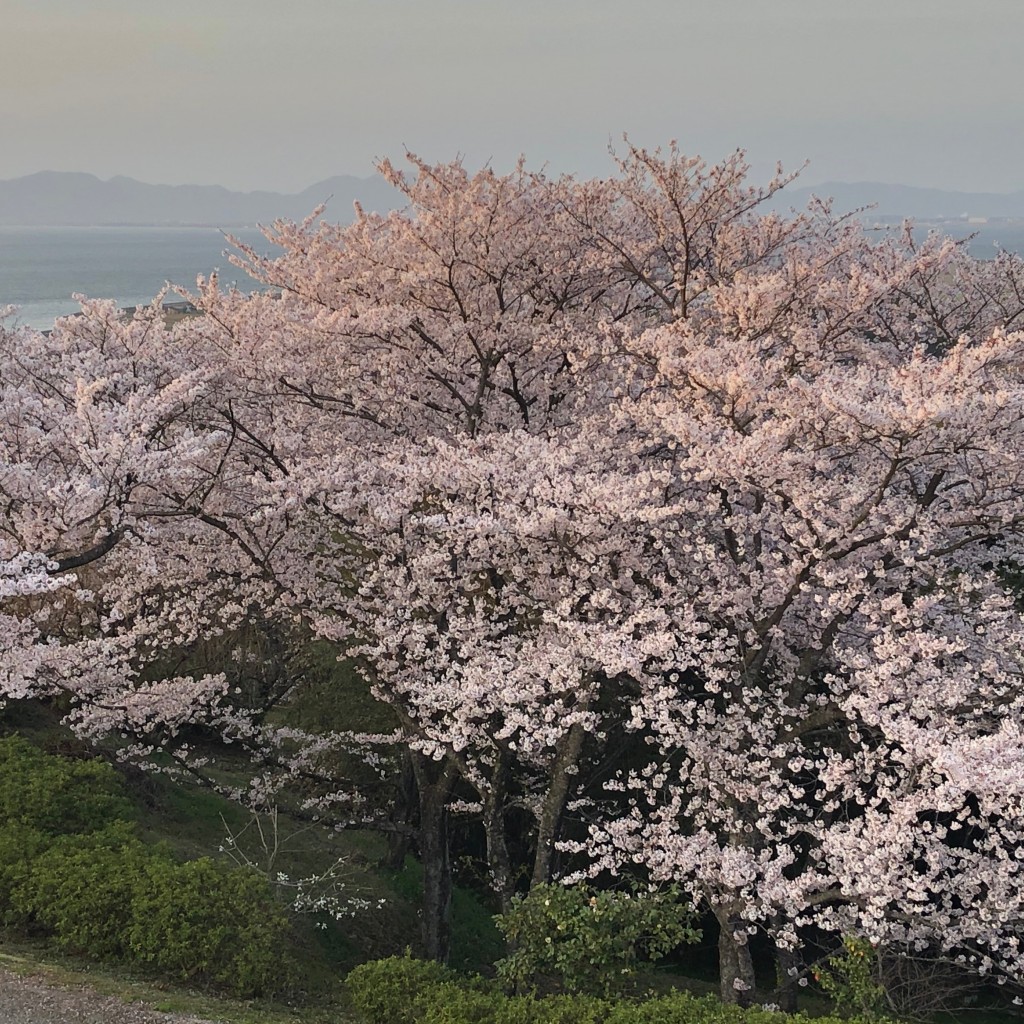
<point>454,1004</point>
<point>851,978</point>
<point>385,991</point>
<point>558,1009</point>
<point>80,890</point>
<point>684,1008</point>
<point>20,845</point>
<point>202,920</point>
<point>587,940</point>
<point>64,861</point>
<point>57,795</point>
<point>108,896</point>
<point>401,990</point>
<point>72,868</point>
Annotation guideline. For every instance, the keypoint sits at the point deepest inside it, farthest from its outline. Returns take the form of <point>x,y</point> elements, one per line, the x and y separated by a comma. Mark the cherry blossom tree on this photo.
<point>440,344</point>
<point>476,317</point>
<point>86,416</point>
<point>833,741</point>
<point>548,459</point>
<point>722,323</point>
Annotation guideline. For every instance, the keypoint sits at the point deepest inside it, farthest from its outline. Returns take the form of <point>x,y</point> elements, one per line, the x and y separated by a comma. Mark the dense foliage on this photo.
<point>670,537</point>
<point>57,795</point>
<point>405,991</point>
<point>588,940</point>
<point>96,890</point>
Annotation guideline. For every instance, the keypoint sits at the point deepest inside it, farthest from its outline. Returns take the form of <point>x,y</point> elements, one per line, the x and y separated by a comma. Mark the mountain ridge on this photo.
<point>915,201</point>
<point>81,199</point>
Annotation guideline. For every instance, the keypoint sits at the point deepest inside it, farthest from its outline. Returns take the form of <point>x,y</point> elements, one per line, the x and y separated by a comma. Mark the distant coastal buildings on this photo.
<point>173,312</point>
<point>183,308</point>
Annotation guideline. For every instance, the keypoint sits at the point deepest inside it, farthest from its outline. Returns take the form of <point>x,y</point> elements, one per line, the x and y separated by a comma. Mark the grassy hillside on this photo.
<point>195,823</point>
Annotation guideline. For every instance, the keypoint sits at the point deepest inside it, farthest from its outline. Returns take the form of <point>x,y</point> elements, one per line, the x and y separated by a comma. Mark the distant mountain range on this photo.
<point>907,201</point>
<point>65,198</point>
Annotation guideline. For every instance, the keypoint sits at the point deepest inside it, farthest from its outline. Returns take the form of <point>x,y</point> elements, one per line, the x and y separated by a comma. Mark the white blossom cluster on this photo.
<point>553,461</point>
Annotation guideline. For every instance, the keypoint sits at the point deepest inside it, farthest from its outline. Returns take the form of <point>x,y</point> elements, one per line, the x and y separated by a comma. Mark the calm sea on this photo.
<point>40,268</point>
<point>988,238</point>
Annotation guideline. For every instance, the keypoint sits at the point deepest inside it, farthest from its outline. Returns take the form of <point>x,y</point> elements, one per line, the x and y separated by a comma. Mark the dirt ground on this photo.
<point>34,1000</point>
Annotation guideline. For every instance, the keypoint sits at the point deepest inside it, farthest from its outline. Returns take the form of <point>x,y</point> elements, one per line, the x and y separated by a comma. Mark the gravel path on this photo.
<point>33,1000</point>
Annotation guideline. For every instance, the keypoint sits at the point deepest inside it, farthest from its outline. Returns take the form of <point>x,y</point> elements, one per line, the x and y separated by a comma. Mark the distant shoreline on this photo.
<point>43,267</point>
<point>65,200</point>
<point>163,226</point>
<point>870,218</point>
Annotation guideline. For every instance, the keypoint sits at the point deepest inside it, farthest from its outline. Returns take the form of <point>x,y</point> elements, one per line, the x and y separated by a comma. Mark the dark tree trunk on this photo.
<point>549,823</point>
<point>735,967</point>
<point>787,967</point>
<point>399,841</point>
<point>499,862</point>
<point>434,781</point>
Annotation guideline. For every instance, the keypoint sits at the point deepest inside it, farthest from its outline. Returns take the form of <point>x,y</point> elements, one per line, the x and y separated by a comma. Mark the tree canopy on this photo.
<point>563,468</point>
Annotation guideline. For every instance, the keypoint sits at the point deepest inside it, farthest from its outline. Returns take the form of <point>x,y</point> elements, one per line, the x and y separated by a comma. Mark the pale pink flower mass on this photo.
<point>550,459</point>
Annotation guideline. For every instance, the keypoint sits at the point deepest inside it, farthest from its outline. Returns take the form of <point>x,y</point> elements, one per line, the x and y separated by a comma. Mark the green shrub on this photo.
<point>57,795</point>
<point>455,1003</point>
<point>452,1003</point>
<point>72,868</point>
<point>108,896</point>
<point>51,877</point>
<point>81,891</point>
<point>401,990</point>
<point>553,1010</point>
<point>851,978</point>
<point>684,1008</point>
<point>203,921</point>
<point>588,940</point>
<point>19,847</point>
<point>386,991</point>
<point>681,1008</point>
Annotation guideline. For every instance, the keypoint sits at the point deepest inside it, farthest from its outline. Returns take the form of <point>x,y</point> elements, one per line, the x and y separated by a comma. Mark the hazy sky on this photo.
<point>279,94</point>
